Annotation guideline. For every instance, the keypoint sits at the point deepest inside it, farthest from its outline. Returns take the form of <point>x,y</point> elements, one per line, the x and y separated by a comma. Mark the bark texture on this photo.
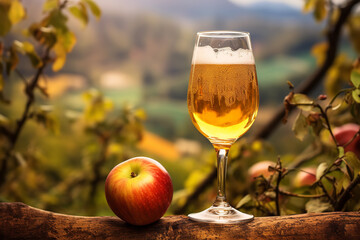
<point>19,221</point>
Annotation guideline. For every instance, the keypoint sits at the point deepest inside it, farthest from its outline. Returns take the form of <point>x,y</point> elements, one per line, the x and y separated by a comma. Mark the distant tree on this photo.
<point>48,42</point>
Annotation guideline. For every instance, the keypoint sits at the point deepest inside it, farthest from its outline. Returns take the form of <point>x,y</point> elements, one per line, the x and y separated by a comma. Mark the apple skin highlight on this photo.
<point>139,190</point>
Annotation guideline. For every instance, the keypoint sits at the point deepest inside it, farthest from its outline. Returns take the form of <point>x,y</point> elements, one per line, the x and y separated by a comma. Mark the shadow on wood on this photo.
<point>19,221</point>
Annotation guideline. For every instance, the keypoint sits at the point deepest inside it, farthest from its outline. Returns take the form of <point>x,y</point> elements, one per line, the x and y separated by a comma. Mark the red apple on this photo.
<point>306,177</point>
<point>344,134</point>
<point>139,190</point>
<point>260,168</point>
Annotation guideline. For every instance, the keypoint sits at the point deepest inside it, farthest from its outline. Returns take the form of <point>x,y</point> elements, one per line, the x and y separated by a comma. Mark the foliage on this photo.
<point>26,174</point>
<point>337,184</point>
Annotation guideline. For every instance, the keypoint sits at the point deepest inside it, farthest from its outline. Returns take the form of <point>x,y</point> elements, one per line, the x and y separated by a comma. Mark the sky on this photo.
<point>294,3</point>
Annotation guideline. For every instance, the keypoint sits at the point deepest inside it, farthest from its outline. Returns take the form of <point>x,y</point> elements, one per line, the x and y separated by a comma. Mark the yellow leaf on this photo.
<point>16,12</point>
<point>94,8</point>
<point>1,76</point>
<point>319,51</point>
<point>320,10</point>
<point>50,5</point>
<point>193,180</point>
<point>309,4</point>
<point>60,59</point>
<point>80,13</point>
<point>114,148</point>
<point>140,114</point>
<point>65,43</point>
<point>68,39</point>
<point>108,104</point>
<point>1,82</point>
<point>3,120</point>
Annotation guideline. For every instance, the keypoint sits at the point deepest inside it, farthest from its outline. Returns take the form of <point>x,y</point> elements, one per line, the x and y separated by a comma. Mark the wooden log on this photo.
<point>19,221</point>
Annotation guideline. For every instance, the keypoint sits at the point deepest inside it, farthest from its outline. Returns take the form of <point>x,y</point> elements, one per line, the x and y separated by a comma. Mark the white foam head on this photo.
<point>207,55</point>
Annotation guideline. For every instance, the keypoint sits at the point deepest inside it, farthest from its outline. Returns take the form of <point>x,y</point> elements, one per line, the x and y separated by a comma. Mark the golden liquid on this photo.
<point>223,100</point>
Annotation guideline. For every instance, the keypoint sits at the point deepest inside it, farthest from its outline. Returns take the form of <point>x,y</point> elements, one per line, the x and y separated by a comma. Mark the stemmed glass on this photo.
<point>223,101</point>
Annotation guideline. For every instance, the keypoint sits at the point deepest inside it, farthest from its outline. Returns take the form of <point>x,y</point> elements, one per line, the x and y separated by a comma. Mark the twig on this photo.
<point>290,194</point>
<point>352,139</point>
<point>278,180</point>
<point>13,137</point>
<point>324,115</point>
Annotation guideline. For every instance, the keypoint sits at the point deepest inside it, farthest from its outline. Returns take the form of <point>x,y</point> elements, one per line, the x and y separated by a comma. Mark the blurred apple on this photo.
<point>139,190</point>
<point>260,168</point>
<point>344,134</point>
<point>306,177</point>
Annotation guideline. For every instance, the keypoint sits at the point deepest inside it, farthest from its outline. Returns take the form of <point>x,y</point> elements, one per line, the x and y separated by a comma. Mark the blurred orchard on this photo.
<point>87,84</point>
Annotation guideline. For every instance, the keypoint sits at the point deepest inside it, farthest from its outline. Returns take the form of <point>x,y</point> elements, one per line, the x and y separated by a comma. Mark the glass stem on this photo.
<point>222,157</point>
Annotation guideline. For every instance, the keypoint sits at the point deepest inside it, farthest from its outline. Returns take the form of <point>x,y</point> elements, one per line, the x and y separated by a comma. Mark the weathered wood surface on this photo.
<point>19,221</point>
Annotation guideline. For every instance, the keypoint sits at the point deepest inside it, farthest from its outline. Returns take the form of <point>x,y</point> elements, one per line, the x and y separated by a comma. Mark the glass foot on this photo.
<point>222,215</point>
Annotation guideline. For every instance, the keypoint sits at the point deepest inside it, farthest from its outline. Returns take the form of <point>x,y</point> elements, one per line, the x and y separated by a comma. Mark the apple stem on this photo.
<point>133,174</point>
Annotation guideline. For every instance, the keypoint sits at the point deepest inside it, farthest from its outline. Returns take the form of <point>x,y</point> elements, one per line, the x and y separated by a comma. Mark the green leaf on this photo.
<point>243,201</point>
<point>58,20</point>
<point>341,151</point>
<point>5,23</point>
<point>320,170</point>
<point>300,98</point>
<point>94,8</point>
<point>68,40</point>
<point>346,181</point>
<point>305,102</point>
<point>317,206</point>
<point>353,161</point>
<point>50,5</point>
<point>356,95</point>
<point>315,123</point>
<point>355,78</point>
<point>339,185</point>
<point>80,13</point>
<point>28,49</point>
<point>320,10</point>
<point>300,127</point>
<point>16,12</point>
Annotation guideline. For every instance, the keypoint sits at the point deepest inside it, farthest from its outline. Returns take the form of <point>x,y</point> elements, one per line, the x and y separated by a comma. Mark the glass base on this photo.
<point>221,215</point>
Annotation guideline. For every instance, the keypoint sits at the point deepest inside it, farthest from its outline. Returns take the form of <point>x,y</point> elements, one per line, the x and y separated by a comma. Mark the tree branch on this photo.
<point>13,137</point>
<point>19,221</point>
